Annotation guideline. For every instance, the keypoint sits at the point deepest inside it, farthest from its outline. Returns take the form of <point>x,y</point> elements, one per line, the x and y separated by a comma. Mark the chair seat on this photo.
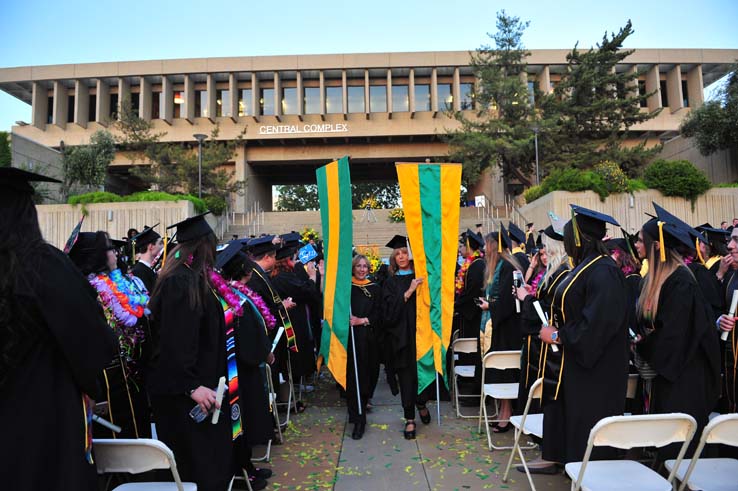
<point>501,391</point>
<point>533,424</point>
<point>466,371</point>
<point>155,486</point>
<point>617,475</point>
<point>709,474</point>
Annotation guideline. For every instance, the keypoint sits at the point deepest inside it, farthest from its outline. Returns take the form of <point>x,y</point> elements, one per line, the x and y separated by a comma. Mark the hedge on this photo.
<point>105,197</point>
<point>676,178</point>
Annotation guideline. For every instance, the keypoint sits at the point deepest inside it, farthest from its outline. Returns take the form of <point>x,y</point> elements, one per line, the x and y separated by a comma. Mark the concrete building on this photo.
<point>298,112</point>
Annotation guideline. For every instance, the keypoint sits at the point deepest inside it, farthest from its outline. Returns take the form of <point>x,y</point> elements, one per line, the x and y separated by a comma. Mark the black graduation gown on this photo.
<point>66,344</point>
<point>366,301</point>
<point>683,349</point>
<point>306,294</point>
<point>262,285</point>
<point>523,260</point>
<point>710,287</point>
<point>530,326</point>
<point>145,274</point>
<point>506,333</point>
<point>468,313</point>
<point>316,312</point>
<point>189,350</point>
<point>728,350</point>
<point>590,381</point>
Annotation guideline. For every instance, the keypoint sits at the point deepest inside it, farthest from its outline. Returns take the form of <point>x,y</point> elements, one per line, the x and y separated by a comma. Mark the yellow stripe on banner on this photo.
<point>337,360</point>
<point>450,186</point>
<point>407,175</point>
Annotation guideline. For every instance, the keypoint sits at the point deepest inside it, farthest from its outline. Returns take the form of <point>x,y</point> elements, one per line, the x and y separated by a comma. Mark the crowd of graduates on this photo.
<point>145,330</point>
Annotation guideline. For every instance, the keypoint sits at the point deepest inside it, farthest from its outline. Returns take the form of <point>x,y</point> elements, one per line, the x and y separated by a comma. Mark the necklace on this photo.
<point>461,276</point>
<point>256,300</point>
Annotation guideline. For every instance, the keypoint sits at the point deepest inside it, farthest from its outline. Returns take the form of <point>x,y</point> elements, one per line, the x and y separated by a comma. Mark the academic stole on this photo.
<point>232,368</point>
<point>289,331</point>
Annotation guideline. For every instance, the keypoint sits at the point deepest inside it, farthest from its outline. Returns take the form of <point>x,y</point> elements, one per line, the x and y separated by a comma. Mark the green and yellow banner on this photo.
<point>430,199</point>
<point>334,191</point>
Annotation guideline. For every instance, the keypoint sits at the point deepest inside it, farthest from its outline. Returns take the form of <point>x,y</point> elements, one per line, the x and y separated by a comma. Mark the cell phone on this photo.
<point>517,278</point>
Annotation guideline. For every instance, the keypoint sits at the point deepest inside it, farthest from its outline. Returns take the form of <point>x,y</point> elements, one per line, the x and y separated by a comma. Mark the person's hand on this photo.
<point>321,267</point>
<point>270,358</point>
<point>413,286</point>
<point>311,270</point>
<point>483,303</point>
<point>205,398</point>
<point>354,321</point>
<point>288,303</point>
<point>534,261</point>
<point>725,263</point>
<point>545,334</point>
<point>727,323</point>
<point>522,292</point>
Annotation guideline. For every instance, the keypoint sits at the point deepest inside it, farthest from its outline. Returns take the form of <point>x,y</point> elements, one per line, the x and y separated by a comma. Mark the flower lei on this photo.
<point>256,299</point>
<point>459,284</point>
<point>225,292</point>
<point>536,281</point>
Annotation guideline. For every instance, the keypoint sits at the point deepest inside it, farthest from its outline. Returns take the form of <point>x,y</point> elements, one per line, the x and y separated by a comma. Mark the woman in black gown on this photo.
<point>366,315</point>
<point>679,341</point>
<point>398,294</point>
<point>188,359</point>
<point>54,342</point>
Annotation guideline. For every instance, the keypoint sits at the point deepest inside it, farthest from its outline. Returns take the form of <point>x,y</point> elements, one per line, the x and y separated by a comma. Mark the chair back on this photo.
<point>535,392</point>
<point>464,345</point>
<point>502,360</point>
<point>721,429</point>
<point>630,392</point>
<point>134,456</point>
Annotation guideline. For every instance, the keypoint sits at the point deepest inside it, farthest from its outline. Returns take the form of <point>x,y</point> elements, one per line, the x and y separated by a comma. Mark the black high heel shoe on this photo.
<point>425,418</point>
<point>409,434</point>
<point>358,431</point>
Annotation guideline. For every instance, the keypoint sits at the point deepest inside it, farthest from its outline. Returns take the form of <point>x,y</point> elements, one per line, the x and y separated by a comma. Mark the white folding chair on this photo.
<point>134,456</point>
<point>625,432</point>
<point>719,474</point>
<point>462,345</point>
<point>500,360</point>
<point>526,424</point>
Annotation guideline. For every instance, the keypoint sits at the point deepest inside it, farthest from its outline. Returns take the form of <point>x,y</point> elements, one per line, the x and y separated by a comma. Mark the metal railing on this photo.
<point>252,219</point>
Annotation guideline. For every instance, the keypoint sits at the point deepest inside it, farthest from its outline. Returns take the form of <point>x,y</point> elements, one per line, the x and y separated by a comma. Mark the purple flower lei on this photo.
<point>256,299</point>
<point>224,292</point>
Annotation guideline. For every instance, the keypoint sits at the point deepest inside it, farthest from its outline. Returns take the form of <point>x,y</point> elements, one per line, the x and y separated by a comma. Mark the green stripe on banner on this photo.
<point>429,177</point>
<point>343,280</point>
<point>325,336</point>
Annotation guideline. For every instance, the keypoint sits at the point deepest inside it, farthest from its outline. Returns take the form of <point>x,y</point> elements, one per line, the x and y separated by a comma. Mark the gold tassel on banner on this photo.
<point>662,248</point>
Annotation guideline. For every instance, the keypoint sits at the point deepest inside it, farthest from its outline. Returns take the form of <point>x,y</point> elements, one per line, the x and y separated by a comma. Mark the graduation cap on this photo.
<point>515,233</point>
<point>473,240</point>
<point>20,180</point>
<point>529,225</point>
<point>397,242</point>
<point>261,245</point>
<point>230,251</point>
<point>556,229</point>
<point>502,238</point>
<point>589,222</point>
<point>117,244</point>
<point>665,216</point>
<point>192,228</point>
<point>146,237</point>
<point>669,230</point>
<point>613,244</point>
<point>713,235</point>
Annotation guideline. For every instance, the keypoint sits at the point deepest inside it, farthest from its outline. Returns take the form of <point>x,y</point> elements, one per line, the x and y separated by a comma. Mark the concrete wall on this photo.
<point>35,157</point>
<point>721,166</point>
<point>716,205</point>
<point>57,221</point>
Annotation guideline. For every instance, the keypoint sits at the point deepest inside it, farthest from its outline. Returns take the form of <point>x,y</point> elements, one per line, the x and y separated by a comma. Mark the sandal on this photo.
<point>496,428</point>
<point>409,434</point>
<point>425,418</point>
<point>300,407</point>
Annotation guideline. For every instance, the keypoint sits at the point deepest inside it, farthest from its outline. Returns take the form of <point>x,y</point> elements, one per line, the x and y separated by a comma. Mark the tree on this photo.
<point>500,132</point>
<point>715,125</point>
<point>5,156</point>
<point>591,110</point>
<point>300,197</point>
<point>86,165</point>
<point>386,195</point>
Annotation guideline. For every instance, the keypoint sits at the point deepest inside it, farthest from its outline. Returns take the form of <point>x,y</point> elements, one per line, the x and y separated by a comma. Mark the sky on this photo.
<point>45,32</point>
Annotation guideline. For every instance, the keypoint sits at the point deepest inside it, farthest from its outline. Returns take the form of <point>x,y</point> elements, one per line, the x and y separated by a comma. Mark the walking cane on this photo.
<point>356,369</point>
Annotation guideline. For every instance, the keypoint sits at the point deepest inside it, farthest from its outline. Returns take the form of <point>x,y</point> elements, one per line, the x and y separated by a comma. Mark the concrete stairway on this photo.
<point>370,229</point>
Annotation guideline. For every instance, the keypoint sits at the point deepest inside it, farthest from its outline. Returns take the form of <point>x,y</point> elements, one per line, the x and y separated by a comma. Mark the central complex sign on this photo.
<point>283,129</point>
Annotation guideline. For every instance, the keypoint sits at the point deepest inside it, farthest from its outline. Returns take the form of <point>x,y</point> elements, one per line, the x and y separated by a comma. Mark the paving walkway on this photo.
<point>319,454</point>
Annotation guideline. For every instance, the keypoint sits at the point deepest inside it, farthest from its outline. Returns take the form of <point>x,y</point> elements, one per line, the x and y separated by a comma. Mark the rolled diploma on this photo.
<point>544,321</point>
<point>218,399</point>
<point>107,424</point>
<point>731,313</point>
<point>280,331</point>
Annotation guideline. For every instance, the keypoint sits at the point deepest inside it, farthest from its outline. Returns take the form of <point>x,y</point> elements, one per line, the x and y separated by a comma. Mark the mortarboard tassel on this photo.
<point>699,252</point>
<point>577,240</point>
<point>133,252</point>
<point>662,248</point>
<point>164,257</point>
<point>409,251</point>
<point>499,240</point>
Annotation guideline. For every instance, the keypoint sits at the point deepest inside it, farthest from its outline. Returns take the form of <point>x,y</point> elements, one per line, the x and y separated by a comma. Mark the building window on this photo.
<point>50,110</point>
<point>422,98</point>
<point>400,99</point>
<point>201,103</point>
<point>92,108</point>
<point>157,99</point>
<point>467,96</point>
<point>311,102</point>
<point>685,93</point>
<point>70,109</point>
<point>334,100</point>
<point>244,103</point>
<point>113,106</point>
<point>135,101</point>
<point>179,104</point>
<point>531,93</point>
<point>356,99</point>
<point>664,94</point>
<point>642,91</point>
<point>222,103</point>
<point>289,100</point>
<point>266,102</point>
<point>378,99</point>
<point>445,98</point>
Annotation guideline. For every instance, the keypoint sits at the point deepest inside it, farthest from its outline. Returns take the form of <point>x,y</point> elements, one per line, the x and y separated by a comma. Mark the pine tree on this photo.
<point>5,156</point>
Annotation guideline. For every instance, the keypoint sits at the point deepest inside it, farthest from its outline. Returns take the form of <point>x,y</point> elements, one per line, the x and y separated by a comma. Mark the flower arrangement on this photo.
<point>397,215</point>
<point>369,202</point>
<point>307,234</point>
<point>371,253</point>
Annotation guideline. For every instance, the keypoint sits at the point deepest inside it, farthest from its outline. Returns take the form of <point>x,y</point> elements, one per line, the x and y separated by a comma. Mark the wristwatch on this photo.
<point>555,336</point>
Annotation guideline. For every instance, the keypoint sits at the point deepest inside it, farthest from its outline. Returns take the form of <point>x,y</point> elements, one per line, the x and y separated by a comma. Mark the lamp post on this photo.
<point>200,138</point>
<point>535,135</point>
